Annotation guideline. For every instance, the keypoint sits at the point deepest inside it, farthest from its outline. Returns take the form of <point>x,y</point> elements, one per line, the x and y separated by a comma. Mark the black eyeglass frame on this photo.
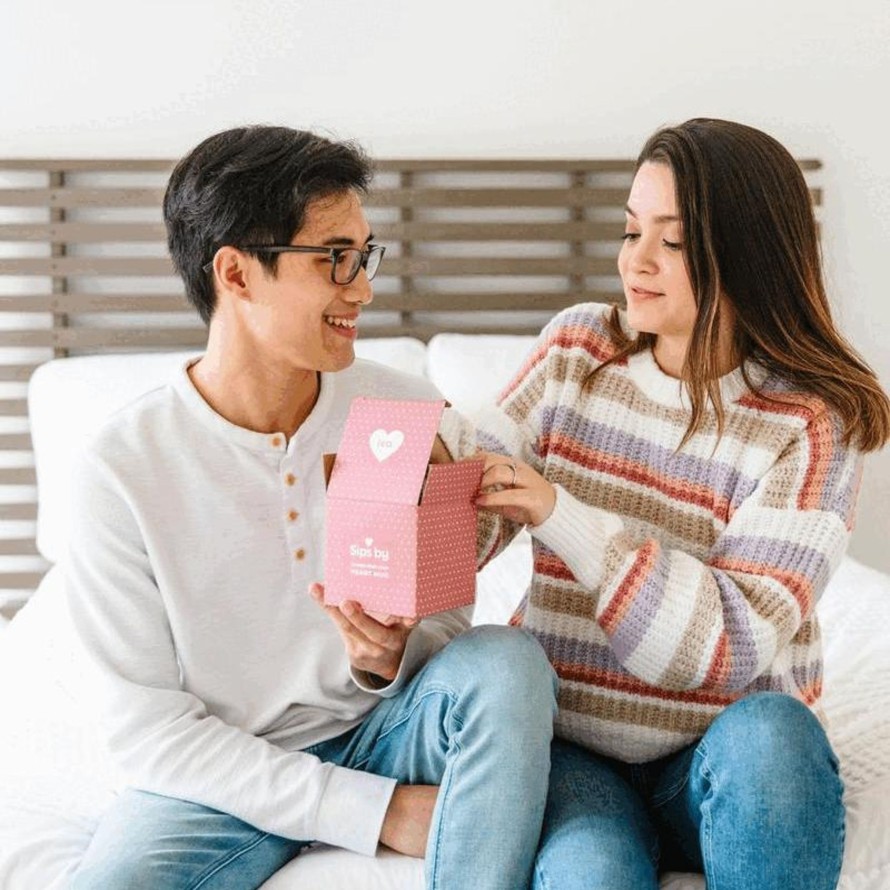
<point>334,252</point>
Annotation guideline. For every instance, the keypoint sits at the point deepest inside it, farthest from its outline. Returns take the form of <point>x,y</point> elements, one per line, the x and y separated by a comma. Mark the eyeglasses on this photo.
<point>345,261</point>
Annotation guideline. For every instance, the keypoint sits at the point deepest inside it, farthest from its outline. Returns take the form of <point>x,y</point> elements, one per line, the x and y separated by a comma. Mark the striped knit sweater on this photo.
<point>668,584</point>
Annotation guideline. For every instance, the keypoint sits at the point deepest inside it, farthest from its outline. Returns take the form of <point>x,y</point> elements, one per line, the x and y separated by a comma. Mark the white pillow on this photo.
<point>69,397</point>
<point>470,370</point>
<point>402,353</point>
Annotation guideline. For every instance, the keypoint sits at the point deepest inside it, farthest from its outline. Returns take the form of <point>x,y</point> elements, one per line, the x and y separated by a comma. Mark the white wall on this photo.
<point>477,78</point>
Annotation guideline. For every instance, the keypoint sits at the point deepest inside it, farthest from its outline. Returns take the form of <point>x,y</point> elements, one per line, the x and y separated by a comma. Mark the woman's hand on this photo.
<point>514,490</point>
<point>374,643</point>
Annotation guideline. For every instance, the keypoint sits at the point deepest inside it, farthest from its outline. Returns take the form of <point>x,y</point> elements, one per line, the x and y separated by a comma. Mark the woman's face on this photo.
<point>651,262</point>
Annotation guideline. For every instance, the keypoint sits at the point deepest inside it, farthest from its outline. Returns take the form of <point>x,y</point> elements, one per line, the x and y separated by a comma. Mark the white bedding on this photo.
<point>55,780</point>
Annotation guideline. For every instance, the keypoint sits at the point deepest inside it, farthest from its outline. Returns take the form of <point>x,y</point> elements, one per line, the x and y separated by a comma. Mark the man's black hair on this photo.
<point>250,185</point>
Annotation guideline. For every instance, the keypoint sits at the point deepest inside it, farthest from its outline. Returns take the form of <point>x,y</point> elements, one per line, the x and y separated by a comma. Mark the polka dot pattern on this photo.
<point>383,549</point>
<point>385,450</point>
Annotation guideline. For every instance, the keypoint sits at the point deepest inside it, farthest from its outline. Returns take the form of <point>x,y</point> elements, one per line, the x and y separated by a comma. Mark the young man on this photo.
<point>243,725</point>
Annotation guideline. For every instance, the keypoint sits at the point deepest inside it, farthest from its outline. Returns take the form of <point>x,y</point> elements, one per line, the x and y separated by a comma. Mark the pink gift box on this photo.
<point>401,532</point>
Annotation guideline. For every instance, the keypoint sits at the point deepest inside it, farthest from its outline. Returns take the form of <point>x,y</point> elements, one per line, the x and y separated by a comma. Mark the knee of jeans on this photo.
<point>766,722</point>
<point>506,663</point>
<point>769,739</point>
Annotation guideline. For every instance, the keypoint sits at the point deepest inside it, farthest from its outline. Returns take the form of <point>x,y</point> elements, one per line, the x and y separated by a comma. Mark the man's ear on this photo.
<point>230,269</point>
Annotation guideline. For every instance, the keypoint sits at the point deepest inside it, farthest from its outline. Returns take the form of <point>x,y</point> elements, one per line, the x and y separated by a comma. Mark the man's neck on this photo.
<point>253,392</point>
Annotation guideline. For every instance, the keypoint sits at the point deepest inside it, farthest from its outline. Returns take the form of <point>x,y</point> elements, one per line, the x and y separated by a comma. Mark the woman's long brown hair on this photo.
<point>750,235</point>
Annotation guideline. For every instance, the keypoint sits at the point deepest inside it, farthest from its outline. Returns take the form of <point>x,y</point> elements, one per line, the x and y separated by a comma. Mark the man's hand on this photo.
<point>406,825</point>
<point>374,643</point>
<point>440,454</point>
<point>515,490</point>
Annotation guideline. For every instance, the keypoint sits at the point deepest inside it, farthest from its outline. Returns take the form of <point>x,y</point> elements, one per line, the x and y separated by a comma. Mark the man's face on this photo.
<point>299,316</point>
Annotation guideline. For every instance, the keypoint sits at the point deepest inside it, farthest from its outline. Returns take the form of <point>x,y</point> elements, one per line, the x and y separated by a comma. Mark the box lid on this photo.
<point>385,450</point>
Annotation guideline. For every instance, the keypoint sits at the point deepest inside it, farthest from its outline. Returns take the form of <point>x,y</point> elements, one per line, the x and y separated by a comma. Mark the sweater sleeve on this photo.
<point>161,735</point>
<point>567,349</point>
<point>718,623</point>
<point>501,430</point>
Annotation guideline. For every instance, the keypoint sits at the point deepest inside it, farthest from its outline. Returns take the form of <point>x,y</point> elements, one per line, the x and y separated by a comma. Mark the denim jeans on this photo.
<point>756,803</point>
<point>477,721</point>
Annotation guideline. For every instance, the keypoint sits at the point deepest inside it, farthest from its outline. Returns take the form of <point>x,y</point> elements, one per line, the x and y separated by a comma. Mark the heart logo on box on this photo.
<point>384,445</point>
<point>369,542</point>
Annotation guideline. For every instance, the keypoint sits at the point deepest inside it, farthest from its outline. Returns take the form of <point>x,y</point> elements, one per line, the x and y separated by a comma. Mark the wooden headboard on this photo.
<point>479,246</point>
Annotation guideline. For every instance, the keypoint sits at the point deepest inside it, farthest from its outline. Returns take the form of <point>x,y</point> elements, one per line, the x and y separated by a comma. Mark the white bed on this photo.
<point>55,779</point>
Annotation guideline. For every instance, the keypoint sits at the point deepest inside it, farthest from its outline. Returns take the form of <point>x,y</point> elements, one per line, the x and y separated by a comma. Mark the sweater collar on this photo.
<point>644,371</point>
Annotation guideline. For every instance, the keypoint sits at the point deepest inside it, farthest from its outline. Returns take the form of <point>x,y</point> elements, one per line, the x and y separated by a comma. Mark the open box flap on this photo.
<point>453,483</point>
<point>385,450</point>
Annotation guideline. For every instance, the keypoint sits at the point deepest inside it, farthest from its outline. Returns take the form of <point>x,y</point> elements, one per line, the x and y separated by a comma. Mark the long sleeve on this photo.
<point>511,427</point>
<point>717,623</point>
<point>162,736</point>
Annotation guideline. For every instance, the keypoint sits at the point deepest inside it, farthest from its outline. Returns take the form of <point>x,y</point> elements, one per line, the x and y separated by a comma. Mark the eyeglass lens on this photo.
<point>350,259</point>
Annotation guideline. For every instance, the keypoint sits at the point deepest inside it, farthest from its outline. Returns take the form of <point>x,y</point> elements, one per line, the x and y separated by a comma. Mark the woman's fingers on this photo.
<point>501,472</point>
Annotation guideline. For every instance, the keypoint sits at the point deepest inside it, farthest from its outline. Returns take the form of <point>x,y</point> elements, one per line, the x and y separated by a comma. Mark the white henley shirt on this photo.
<point>194,542</point>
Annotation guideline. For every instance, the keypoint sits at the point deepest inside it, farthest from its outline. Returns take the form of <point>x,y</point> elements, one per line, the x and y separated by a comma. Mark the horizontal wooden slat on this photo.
<point>117,266</point>
<point>425,331</point>
<point>497,197</point>
<point>500,165</point>
<point>386,165</point>
<point>17,476</point>
<point>15,442</point>
<point>473,302</point>
<point>18,547</point>
<point>431,232</point>
<point>18,512</point>
<point>504,197</point>
<point>108,338</point>
<point>111,233</point>
<point>13,407</point>
<point>66,198</point>
<point>63,198</point>
<point>495,165</point>
<point>17,373</point>
<point>72,303</point>
<point>497,231</point>
<point>400,302</point>
<point>110,165</point>
<point>63,266</point>
<point>20,580</point>
<point>83,233</point>
<point>517,266</point>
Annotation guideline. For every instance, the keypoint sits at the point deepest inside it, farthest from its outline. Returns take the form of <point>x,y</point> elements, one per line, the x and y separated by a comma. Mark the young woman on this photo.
<point>688,469</point>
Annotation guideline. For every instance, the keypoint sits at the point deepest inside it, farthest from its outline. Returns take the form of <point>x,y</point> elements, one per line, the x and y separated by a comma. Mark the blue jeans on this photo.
<point>477,721</point>
<point>757,803</point>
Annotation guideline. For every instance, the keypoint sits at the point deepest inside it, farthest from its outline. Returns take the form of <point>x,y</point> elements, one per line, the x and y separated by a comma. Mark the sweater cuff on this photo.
<point>578,534</point>
<point>352,810</point>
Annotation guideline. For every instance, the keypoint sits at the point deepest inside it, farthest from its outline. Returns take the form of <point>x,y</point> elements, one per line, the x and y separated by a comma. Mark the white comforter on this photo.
<point>55,780</point>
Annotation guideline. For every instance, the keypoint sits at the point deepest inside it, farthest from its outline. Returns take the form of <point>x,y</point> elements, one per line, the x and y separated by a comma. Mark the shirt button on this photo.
<point>290,479</point>
<point>299,555</point>
<point>292,515</point>
<point>276,441</point>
